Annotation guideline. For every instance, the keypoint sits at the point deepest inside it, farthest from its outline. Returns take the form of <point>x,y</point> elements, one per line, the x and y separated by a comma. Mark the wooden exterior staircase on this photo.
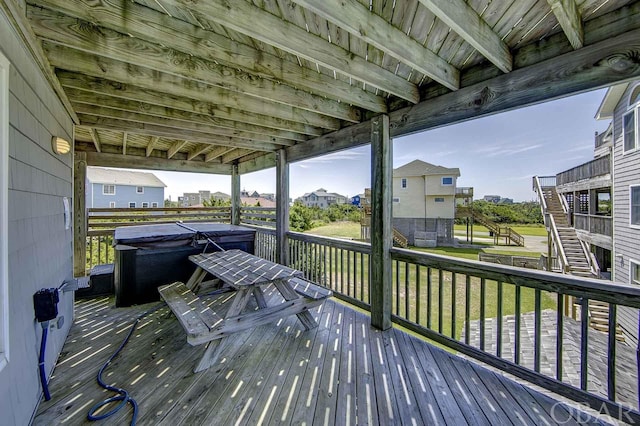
<point>578,259</point>
<point>506,232</point>
<point>399,240</point>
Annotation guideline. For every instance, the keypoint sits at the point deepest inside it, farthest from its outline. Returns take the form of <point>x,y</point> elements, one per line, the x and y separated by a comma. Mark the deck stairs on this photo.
<point>399,239</point>
<point>498,231</point>
<point>579,264</point>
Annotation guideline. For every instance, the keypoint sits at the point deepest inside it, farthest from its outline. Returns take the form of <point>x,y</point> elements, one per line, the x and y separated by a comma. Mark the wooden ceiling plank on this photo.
<point>125,136</point>
<point>154,163</point>
<point>152,142</point>
<point>90,98</point>
<point>168,132</point>
<point>95,138</point>
<point>358,20</point>
<point>106,112</point>
<point>177,146</point>
<point>216,152</point>
<point>150,25</point>
<point>235,154</point>
<point>259,163</point>
<point>96,66</point>
<point>67,31</point>
<point>261,25</point>
<point>200,149</point>
<point>568,15</point>
<point>138,94</point>
<point>465,21</point>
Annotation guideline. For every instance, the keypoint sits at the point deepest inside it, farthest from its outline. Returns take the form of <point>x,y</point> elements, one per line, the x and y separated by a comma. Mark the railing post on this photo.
<point>235,195</point>
<point>79,214</point>
<point>381,214</point>
<point>282,207</point>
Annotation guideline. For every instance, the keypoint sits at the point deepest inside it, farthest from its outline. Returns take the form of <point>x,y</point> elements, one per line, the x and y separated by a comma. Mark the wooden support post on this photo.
<point>282,207</point>
<point>79,215</point>
<point>235,195</point>
<point>381,214</point>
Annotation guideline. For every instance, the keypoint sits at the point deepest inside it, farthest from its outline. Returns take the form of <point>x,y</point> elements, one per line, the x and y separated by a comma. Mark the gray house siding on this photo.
<point>626,172</point>
<point>40,249</point>
<point>124,195</point>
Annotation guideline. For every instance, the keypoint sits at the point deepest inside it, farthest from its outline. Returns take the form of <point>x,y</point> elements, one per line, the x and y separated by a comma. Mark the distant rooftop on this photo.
<point>422,168</point>
<point>123,177</point>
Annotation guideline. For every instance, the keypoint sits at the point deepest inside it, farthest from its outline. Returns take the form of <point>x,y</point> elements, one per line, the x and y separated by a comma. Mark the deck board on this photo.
<point>342,372</point>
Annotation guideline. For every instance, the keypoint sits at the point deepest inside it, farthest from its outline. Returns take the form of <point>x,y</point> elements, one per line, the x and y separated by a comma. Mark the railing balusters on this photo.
<point>467,310</point>
<point>559,334</point>
<point>584,341</point>
<point>440,301</point>
<point>482,312</point>
<point>429,298</point>
<point>537,330</point>
<point>499,318</point>
<point>516,343</point>
<point>453,305</point>
<point>417,294</point>
<point>407,312</point>
<point>611,353</point>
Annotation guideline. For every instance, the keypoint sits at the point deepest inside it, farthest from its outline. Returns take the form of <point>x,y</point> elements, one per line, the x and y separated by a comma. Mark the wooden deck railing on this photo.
<point>593,223</point>
<point>476,308</point>
<point>594,168</point>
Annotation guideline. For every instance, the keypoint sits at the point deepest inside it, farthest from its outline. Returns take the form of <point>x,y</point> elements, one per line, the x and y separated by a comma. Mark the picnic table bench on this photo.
<point>245,274</point>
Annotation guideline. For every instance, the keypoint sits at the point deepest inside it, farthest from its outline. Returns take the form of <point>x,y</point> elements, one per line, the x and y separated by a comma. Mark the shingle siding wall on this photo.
<point>124,195</point>
<point>626,172</point>
<point>40,249</point>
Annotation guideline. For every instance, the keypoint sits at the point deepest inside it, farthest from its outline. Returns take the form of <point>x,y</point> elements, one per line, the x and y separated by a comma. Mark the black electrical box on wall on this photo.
<point>45,303</point>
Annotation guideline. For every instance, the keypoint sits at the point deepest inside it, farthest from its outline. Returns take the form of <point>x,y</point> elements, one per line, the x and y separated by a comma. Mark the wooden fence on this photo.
<point>593,223</point>
<point>594,168</point>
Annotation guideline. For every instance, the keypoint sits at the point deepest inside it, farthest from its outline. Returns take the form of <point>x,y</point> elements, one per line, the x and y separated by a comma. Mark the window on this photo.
<point>404,182</point>
<point>112,204</point>
<point>132,205</point>
<point>439,200</point>
<point>145,205</point>
<point>139,189</point>
<point>108,189</point>
<point>4,213</point>
<point>634,198</point>
<point>629,132</point>
<point>396,200</point>
<point>634,273</point>
<point>447,181</point>
<point>154,205</point>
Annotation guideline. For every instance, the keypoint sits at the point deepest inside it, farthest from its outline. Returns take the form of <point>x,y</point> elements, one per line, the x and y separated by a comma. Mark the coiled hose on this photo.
<point>43,374</point>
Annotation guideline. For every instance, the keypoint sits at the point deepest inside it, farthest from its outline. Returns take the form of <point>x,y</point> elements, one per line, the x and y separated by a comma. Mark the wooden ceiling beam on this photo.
<point>97,66</point>
<point>355,18</point>
<point>267,28</point>
<point>152,143</point>
<point>177,146</point>
<point>171,133</point>
<point>90,98</point>
<point>147,24</point>
<point>216,153</point>
<point>100,111</point>
<point>67,31</point>
<point>200,149</point>
<point>235,154</point>
<point>219,115</point>
<point>95,138</point>
<point>155,163</point>
<point>266,161</point>
<point>466,22</point>
<point>568,16</point>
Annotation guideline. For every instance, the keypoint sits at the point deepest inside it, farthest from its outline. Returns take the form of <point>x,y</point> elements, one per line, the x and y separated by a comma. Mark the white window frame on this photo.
<point>132,206</point>
<point>438,200</point>
<point>447,184</point>
<point>154,204</point>
<point>4,211</point>
<point>632,264</point>
<point>104,187</point>
<point>112,204</point>
<point>139,189</point>
<point>635,111</point>
<point>631,224</point>
<point>404,183</point>
<point>145,206</point>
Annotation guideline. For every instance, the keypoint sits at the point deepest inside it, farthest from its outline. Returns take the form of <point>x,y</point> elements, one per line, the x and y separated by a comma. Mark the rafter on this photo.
<point>154,163</point>
<point>99,111</point>
<point>465,21</point>
<point>147,24</point>
<point>177,146</point>
<point>216,152</point>
<point>97,66</point>
<point>171,133</point>
<point>262,25</point>
<point>152,143</point>
<point>95,138</point>
<point>200,149</point>
<point>235,154</point>
<point>568,15</point>
<point>81,36</point>
<point>354,17</point>
<point>219,115</point>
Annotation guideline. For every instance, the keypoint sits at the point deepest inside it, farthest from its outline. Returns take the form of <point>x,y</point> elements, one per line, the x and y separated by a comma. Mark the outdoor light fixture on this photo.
<point>60,145</point>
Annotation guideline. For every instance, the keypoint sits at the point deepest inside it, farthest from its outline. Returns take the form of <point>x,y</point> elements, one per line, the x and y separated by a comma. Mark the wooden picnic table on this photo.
<point>246,274</point>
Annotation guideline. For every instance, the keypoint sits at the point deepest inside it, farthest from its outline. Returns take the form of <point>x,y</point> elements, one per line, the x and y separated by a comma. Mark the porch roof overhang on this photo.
<point>201,86</point>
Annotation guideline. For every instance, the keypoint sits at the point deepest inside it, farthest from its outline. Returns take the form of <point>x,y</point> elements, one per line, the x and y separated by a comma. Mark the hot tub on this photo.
<point>149,256</point>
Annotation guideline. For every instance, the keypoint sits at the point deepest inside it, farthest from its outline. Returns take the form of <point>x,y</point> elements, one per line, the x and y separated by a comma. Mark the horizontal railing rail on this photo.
<point>598,167</point>
<point>260,216</point>
<point>594,224</point>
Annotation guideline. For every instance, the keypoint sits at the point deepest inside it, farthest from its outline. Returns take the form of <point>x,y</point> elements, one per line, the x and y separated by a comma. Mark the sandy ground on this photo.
<point>531,243</point>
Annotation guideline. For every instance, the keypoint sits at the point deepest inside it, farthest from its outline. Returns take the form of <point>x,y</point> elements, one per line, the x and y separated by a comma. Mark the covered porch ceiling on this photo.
<point>198,86</point>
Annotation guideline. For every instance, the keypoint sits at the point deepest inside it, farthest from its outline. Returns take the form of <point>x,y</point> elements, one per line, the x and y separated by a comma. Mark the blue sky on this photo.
<point>496,155</point>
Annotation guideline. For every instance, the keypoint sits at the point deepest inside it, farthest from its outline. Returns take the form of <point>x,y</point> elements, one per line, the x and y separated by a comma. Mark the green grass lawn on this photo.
<point>337,230</point>
<point>524,230</point>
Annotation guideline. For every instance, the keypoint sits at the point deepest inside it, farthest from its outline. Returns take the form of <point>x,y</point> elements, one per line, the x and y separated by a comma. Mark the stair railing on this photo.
<point>543,203</point>
<point>591,259</point>
<point>557,243</point>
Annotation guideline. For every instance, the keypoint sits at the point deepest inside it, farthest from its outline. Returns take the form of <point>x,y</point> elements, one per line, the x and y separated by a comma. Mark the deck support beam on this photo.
<point>79,214</point>
<point>282,207</point>
<point>381,226</point>
<point>235,195</point>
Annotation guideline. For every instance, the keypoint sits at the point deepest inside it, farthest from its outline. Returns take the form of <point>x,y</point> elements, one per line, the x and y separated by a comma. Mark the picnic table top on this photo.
<point>238,268</point>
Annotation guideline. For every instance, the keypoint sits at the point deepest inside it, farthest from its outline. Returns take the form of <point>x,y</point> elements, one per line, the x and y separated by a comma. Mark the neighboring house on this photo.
<point>121,188</point>
<point>492,198</point>
<point>321,198</point>
<point>193,199</point>
<point>424,201</point>
<point>356,200</point>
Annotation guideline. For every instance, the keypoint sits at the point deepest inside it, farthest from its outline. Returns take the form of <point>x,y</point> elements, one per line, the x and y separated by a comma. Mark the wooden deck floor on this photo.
<point>343,372</point>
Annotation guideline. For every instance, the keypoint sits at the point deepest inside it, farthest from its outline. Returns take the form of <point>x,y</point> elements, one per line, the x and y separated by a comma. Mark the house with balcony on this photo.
<point>235,90</point>
<point>322,199</point>
<point>123,189</point>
